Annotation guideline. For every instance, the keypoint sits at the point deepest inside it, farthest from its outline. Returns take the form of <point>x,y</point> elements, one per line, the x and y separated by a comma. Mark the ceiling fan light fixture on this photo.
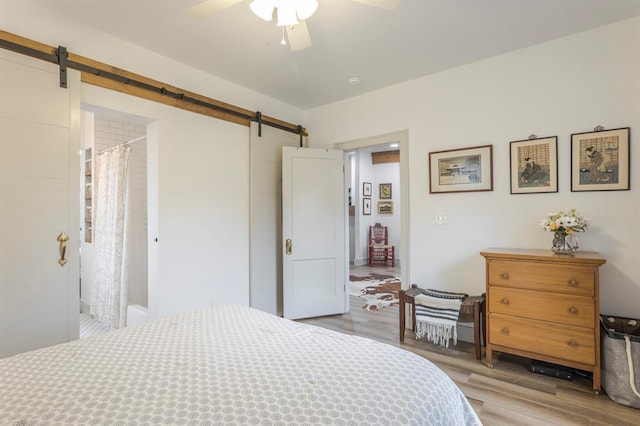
<point>286,15</point>
<point>306,8</point>
<point>263,8</point>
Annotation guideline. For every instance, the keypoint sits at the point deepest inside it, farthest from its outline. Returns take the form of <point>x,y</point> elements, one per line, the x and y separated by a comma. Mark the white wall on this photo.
<point>557,88</point>
<point>202,203</point>
<point>565,86</point>
<point>388,173</point>
<point>364,173</point>
<point>19,17</point>
<point>202,214</point>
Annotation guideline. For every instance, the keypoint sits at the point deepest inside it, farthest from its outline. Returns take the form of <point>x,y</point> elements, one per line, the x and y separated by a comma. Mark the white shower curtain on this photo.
<point>111,234</point>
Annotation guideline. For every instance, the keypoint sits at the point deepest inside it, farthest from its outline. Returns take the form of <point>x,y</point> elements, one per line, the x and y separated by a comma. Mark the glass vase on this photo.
<point>564,244</point>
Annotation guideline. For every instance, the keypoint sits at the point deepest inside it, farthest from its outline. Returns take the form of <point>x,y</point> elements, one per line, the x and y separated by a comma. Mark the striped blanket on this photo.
<point>436,316</point>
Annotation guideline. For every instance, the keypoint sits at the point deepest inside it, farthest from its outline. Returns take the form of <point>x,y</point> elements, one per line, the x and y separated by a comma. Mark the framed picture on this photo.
<point>385,207</point>
<point>366,189</point>
<point>534,165</point>
<point>385,191</point>
<point>366,206</point>
<point>461,170</point>
<point>600,160</point>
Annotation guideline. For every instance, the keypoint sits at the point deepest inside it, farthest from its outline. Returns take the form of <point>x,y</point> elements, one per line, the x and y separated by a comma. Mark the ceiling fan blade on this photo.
<point>382,4</point>
<point>209,7</point>
<point>298,36</point>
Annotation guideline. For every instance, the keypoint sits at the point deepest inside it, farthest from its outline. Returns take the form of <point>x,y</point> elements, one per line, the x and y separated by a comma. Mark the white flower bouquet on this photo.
<point>565,223</point>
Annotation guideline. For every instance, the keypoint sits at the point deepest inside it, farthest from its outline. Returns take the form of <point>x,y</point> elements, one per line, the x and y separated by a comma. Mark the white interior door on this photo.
<point>313,226</point>
<point>266,217</point>
<point>39,196</point>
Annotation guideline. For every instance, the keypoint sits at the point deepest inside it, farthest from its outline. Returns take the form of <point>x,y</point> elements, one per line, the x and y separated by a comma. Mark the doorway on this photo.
<point>102,132</point>
<point>363,176</point>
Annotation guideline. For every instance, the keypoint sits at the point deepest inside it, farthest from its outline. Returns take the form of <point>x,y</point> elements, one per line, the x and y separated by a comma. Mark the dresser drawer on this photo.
<point>551,307</point>
<point>564,342</point>
<point>539,276</point>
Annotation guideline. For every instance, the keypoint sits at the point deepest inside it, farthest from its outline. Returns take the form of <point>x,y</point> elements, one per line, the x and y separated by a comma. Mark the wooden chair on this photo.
<point>380,251</point>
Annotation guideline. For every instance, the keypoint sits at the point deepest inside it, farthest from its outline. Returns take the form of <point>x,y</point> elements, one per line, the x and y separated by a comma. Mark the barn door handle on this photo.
<point>62,239</point>
<point>288,245</point>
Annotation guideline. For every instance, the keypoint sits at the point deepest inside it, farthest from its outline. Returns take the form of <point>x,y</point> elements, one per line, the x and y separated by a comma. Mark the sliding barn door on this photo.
<point>39,196</point>
<point>266,217</point>
<point>313,227</point>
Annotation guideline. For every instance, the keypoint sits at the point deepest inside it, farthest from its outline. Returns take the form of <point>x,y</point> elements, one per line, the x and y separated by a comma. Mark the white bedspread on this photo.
<point>227,365</point>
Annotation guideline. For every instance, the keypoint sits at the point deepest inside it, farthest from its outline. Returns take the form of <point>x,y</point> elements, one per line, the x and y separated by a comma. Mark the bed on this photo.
<point>227,365</point>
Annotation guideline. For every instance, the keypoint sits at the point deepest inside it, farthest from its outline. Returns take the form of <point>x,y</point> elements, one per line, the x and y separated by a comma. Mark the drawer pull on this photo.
<point>505,301</point>
<point>573,310</point>
<point>573,343</point>
<point>505,330</point>
<point>504,276</point>
<point>573,283</point>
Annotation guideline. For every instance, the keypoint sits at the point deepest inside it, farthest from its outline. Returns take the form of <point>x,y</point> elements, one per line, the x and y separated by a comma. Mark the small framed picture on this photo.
<point>534,165</point>
<point>385,191</point>
<point>385,207</point>
<point>600,160</point>
<point>461,170</point>
<point>366,206</point>
<point>366,189</point>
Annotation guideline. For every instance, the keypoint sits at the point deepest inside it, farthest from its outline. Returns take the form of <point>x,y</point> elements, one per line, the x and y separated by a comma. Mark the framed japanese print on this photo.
<point>600,160</point>
<point>534,165</point>
<point>461,170</point>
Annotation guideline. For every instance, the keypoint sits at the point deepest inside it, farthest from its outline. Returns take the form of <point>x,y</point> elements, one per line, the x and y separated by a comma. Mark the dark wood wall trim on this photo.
<point>113,78</point>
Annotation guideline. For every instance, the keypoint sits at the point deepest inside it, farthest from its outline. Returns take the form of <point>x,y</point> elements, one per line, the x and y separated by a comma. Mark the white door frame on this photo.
<point>401,137</point>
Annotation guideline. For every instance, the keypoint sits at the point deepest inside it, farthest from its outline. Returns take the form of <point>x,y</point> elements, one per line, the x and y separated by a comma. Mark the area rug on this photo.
<point>377,290</point>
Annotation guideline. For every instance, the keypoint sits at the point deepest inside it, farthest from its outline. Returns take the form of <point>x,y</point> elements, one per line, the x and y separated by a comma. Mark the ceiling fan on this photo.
<point>291,15</point>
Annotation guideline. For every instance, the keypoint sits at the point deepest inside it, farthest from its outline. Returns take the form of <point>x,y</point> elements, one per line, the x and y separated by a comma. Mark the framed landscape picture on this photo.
<point>600,160</point>
<point>385,207</point>
<point>461,170</point>
<point>534,165</point>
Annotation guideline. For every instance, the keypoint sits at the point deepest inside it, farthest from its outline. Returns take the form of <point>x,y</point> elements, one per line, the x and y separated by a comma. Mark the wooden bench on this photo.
<point>472,310</point>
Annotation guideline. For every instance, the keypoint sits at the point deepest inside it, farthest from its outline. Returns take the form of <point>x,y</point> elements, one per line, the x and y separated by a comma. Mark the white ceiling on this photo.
<point>350,39</point>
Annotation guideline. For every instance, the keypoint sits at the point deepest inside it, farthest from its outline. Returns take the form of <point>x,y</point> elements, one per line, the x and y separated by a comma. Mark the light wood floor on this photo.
<point>508,394</point>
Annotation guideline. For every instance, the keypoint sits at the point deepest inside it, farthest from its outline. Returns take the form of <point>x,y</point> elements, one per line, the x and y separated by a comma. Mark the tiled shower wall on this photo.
<point>110,132</point>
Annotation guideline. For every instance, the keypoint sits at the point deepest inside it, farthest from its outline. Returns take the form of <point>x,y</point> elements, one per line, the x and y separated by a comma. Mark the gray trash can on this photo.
<point>620,340</point>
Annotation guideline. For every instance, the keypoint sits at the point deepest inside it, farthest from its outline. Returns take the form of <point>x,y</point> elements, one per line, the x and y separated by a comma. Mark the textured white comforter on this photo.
<point>227,365</point>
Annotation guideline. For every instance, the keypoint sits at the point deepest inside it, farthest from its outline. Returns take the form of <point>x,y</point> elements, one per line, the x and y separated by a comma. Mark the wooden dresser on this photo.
<point>544,306</point>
